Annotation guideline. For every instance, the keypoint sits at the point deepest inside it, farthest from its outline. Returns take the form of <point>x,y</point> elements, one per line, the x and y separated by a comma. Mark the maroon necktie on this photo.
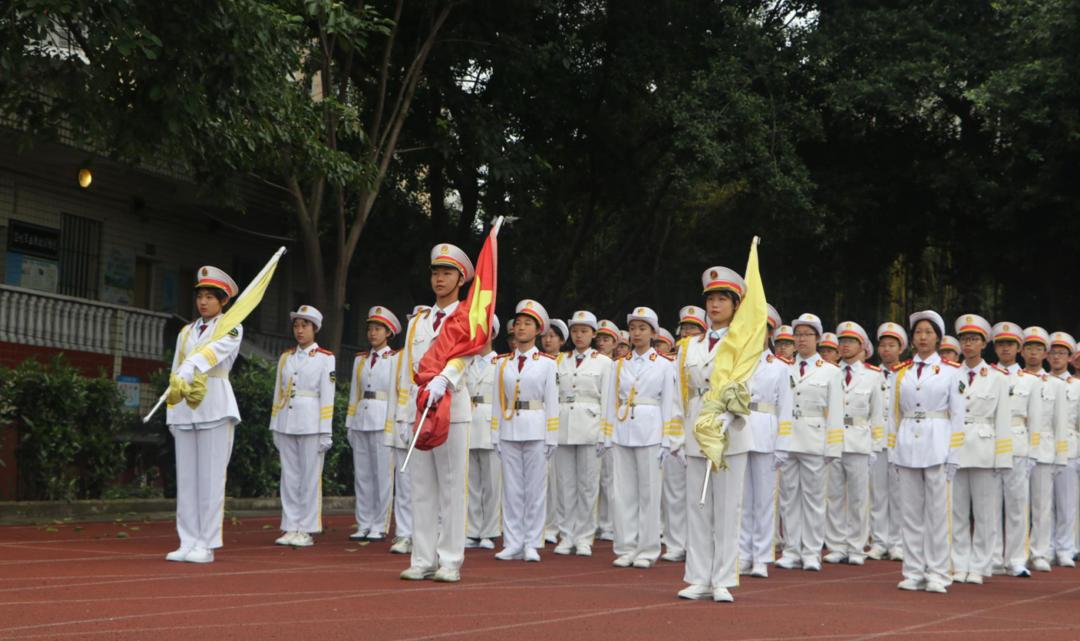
<point>886,373</point>
<point>202,328</point>
<point>521,362</point>
<point>802,369</point>
<point>438,320</point>
<point>971,377</point>
<point>847,375</point>
<point>918,374</point>
<point>374,357</point>
<point>579,358</point>
<point>712,341</point>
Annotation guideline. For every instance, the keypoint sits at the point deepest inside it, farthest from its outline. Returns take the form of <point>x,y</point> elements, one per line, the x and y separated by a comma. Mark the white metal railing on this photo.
<point>32,317</point>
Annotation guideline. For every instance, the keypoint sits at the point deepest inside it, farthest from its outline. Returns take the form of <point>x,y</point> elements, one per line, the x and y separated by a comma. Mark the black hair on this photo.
<point>735,298</point>
<point>933,325</point>
<point>218,293</point>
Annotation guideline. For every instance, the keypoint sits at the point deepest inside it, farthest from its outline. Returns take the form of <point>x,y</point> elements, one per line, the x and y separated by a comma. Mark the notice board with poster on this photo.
<point>33,253</point>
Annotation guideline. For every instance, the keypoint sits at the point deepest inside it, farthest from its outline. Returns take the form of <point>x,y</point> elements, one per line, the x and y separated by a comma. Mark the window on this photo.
<point>80,256</point>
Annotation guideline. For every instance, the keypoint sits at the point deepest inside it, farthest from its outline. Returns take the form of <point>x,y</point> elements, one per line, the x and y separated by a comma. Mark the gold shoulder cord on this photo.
<point>630,399</point>
<point>286,390</point>
<point>408,346</point>
<point>502,393</point>
<point>684,380</point>
<point>358,375</point>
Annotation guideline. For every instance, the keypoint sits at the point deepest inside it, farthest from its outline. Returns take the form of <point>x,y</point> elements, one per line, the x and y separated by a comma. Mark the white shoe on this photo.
<point>1041,565</point>
<point>624,561</point>
<point>760,570</point>
<point>1020,571</point>
<point>696,592</point>
<point>811,564</point>
<point>285,539</point>
<point>937,587</point>
<point>413,573</point>
<point>447,575</point>
<point>789,563</point>
<point>584,549</point>
<point>551,538</point>
<point>472,544</point>
<point>359,535</point>
<point>896,553</point>
<point>998,570</point>
<point>487,544</point>
<point>642,563</point>
<point>912,585</point>
<point>531,555</point>
<point>564,547</point>
<point>745,568</point>
<point>674,555</point>
<point>877,552</point>
<point>375,536</point>
<point>607,535</point>
<point>1066,562</point>
<point>835,557</point>
<point>856,560</point>
<point>508,554</point>
<point>721,595</point>
<point>974,578</point>
<point>200,555</point>
<point>302,540</point>
<point>179,554</point>
<point>402,545</point>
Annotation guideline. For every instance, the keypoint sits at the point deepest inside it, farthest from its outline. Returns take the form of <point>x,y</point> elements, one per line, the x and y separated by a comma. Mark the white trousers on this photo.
<point>438,492</point>
<point>373,481</point>
<point>802,502</point>
<point>673,505</point>
<point>403,525</point>
<point>880,528</point>
<point>1065,506</point>
<point>484,491</point>
<point>759,509</point>
<point>1042,511</point>
<point>636,501</point>
<point>604,510</point>
<point>712,533</point>
<point>301,482</point>
<point>524,471</point>
<point>1012,551</point>
<point>924,523</point>
<point>579,483</point>
<point>847,522</point>
<point>552,518</point>
<point>202,457</point>
<point>976,497</point>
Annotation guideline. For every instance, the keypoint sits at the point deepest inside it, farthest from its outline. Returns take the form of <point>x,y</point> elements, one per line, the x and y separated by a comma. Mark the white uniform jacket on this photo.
<point>304,392</point>
<point>527,398</point>
<point>213,358</point>
<point>582,391</point>
<point>371,392</point>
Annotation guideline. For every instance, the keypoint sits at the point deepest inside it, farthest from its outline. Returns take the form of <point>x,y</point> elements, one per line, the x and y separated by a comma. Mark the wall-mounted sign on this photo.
<point>33,240</point>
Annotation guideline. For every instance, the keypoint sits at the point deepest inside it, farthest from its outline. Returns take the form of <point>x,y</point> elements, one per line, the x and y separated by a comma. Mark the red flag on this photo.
<point>464,333</point>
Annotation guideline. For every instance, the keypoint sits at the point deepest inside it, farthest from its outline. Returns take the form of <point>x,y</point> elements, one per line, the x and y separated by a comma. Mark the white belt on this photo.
<point>1019,421</point>
<point>372,395</point>
<point>918,416</point>
<point>816,413</point>
<point>856,421</point>
<point>480,399</point>
<point>305,393</point>
<point>978,420</point>
<point>580,398</point>
<point>529,405</point>
<point>764,408</point>
<point>645,400</point>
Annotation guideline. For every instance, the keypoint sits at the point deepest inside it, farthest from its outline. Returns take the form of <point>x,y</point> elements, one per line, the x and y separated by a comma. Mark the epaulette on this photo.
<point>902,365</point>
<point>951,364</point>
<point>770,358</point>
<point>291,350</point>
<point>595,354</point>
<point>537,356</point>
<point>324,351</point>
<point>872,368</point>
<point>629,355</point>
<point>822,361</point>
<point>670,357</point>
<point>1000,369</point>
<point>789,361</point>
<point>361,354</point>
<point>506,355</point>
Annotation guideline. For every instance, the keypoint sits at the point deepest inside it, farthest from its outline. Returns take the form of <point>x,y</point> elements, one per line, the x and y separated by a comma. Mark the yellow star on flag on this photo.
<point>478,312</point>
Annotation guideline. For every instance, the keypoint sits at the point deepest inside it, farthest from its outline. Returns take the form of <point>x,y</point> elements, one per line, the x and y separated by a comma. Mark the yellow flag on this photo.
<point>248,300</point>
<point>736,359</point>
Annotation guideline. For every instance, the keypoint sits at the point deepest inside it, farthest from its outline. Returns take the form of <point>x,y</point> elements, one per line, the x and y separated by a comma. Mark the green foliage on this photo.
<point>69,426</point>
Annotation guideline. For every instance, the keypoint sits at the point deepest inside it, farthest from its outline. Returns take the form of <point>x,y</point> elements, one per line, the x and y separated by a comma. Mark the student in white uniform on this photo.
<point>1047,437</point>
<point>485,475</point>
<point>1062,346</point>
<point>371,397</point>
<point>784,342</point>
<point>949,349</point>
<point>847,525</point>
<point>664,342</point>
<point>692,322</point>
<point>204,433</point>
<point>583,379</point>
<point>438,476</point>
<point>526,433</point>
<point>816,435</point>
<point>884,499</point>
<point>985,453</point>
<point>1011,555</point>
<point>302,422</point>
<point>673,495</point>
<point>607,337</point>
<point>770,411</point>
<point>551,343</point>
<point>643,428</point>
<point>926,431</point>
<point>829,348</point>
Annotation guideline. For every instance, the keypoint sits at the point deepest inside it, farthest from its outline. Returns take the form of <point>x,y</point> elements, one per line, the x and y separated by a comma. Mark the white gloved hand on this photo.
<point>549,451</point>
<point>950,471</point>
<point>186,372</point>
<point>680,456</point>
<point>325,441</point>
<point>436,388</point>
<point>664,453</point>
<point>779,458</point>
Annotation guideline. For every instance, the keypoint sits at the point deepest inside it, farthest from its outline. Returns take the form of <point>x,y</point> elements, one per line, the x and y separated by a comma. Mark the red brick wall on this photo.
<point>11,354</point>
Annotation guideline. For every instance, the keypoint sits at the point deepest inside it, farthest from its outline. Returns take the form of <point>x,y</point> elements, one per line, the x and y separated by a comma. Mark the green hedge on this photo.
<point>70,444</point>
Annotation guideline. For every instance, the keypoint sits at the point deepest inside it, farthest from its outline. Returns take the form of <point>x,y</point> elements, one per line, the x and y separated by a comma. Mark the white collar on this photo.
<point>519,353</point>
<point>308,350</point>
<point>977,367</point>
<point>933,359</point>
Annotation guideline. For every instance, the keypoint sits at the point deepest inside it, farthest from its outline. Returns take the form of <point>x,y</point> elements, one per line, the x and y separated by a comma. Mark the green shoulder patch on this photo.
<point>234,332</point>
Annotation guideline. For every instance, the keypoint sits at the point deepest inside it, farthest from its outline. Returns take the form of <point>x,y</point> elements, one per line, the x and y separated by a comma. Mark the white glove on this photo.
<point>436,388</point>
<point>325,441</point>
<point>873,458</point>
<point>779,458</point>
<point>186,372</point>
<point>680,456</point>
<point>664,453</point>
<point>950,471</point>
<point>549,451</point>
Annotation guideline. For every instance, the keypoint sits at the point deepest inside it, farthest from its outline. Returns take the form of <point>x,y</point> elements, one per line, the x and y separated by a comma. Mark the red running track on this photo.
<point>110,581</point>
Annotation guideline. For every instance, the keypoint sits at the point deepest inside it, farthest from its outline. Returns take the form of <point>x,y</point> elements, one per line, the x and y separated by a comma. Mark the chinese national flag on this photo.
<point>463,333</point>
